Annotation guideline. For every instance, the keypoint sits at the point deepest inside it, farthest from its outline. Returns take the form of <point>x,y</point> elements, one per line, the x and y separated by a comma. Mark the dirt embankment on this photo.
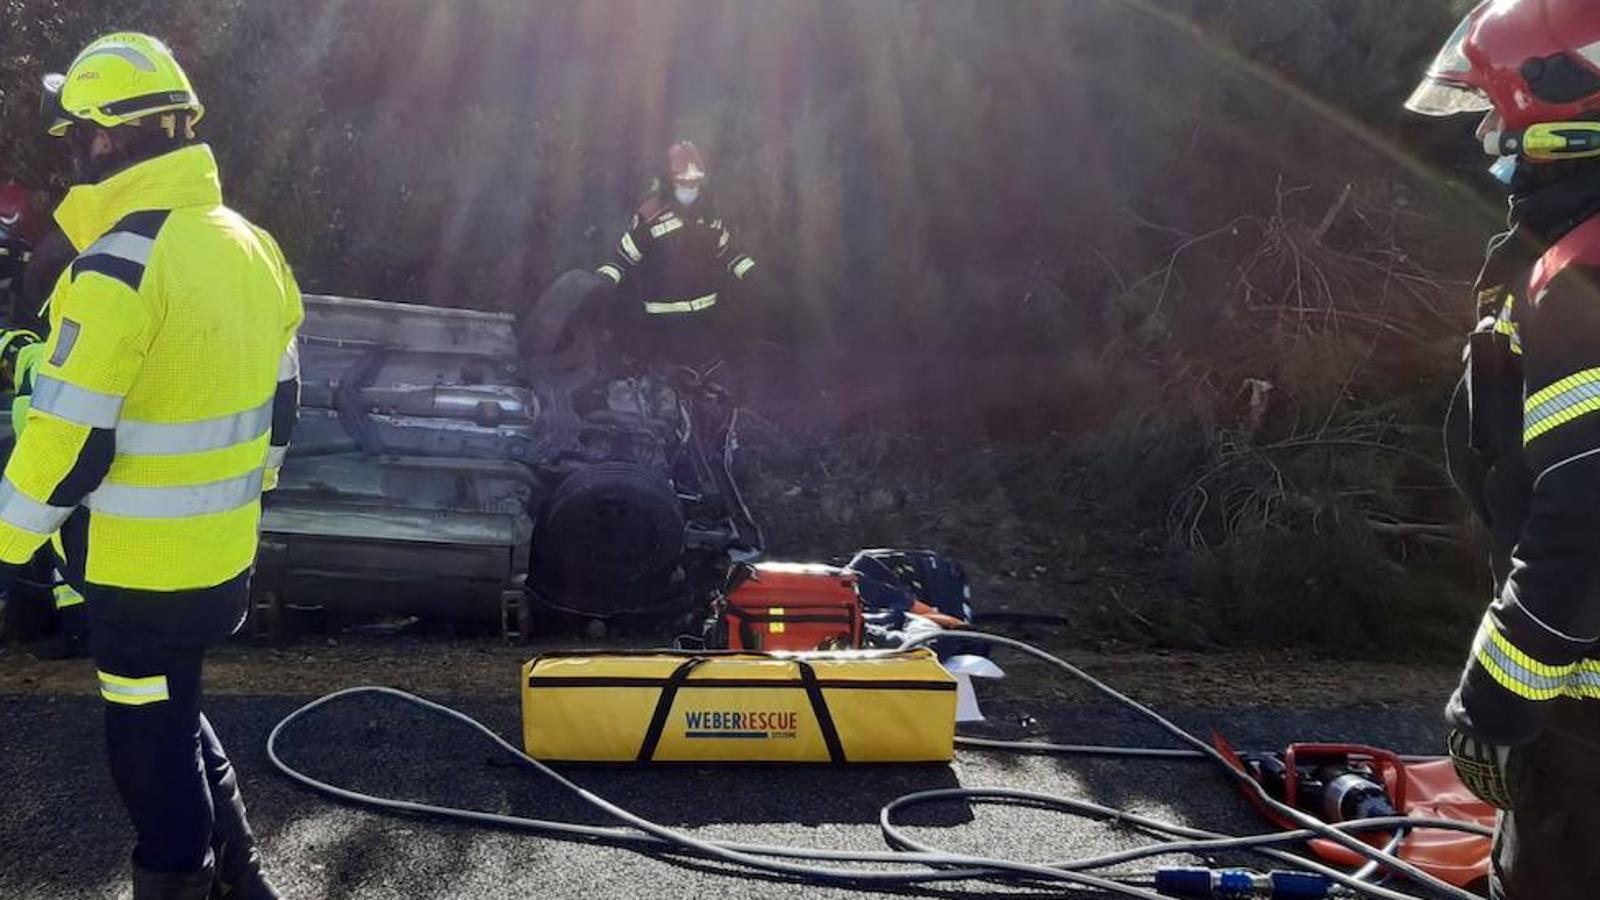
<point>485,667</point>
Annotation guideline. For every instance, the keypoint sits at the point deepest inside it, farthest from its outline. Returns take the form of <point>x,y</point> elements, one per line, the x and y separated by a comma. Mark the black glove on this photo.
<point>8,581</point>
<point>1484,768</point>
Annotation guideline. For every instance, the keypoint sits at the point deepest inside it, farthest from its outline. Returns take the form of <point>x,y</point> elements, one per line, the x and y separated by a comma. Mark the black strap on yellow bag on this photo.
<point>669,693</point>
<point>665,706</point>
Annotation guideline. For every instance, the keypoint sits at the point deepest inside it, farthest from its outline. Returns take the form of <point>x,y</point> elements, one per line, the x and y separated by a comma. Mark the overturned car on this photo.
<point>468,465</point>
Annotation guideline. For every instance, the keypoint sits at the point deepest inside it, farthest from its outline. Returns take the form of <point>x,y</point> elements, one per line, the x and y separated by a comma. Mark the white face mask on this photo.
<point>1489,131</point>
<point>686,194</point>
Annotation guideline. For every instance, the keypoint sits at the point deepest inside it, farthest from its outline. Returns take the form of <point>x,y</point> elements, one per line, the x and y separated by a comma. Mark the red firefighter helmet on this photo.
<point>685,164</point>
<point>17,217</point>
<point>1530,61</point>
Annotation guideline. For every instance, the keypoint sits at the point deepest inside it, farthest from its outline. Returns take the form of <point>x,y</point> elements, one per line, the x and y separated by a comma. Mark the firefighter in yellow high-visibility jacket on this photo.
<point>160,412</point>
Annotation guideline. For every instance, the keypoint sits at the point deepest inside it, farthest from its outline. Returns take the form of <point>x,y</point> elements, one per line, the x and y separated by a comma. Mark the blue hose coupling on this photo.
<point>1234,884</point>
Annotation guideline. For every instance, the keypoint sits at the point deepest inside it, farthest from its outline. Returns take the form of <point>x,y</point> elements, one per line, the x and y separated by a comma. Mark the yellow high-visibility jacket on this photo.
<point>168,386</point>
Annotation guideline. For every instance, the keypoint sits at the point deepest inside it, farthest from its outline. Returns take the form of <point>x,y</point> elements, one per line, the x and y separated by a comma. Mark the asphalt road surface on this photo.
<point>63,835</point>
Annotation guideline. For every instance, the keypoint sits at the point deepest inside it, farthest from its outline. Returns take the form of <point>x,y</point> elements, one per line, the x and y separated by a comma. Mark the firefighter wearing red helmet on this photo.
<point>16,233</point>
<point>29,267</point>
<point>33,253</point>
<point>679,256</point>
<point>1523,437</point>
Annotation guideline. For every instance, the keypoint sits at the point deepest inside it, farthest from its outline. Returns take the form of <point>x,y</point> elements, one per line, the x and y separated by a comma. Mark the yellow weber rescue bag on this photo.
<point>859,706</point>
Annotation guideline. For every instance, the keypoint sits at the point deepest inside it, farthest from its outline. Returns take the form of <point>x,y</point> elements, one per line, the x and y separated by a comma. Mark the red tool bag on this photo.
<point>792,606</point>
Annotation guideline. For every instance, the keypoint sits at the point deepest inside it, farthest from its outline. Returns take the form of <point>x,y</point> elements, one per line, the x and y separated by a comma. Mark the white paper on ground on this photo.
<point>966,668</point>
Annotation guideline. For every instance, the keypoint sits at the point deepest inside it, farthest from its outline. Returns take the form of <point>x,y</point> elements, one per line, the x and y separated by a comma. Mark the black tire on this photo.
<point>548,326</point>
<point>609,539</point>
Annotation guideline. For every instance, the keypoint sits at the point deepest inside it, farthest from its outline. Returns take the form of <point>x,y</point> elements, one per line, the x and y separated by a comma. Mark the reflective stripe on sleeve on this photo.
<point>177,501</point>
<point>630,249</point>
<point>28,514</point>
<point>135,438</point>
<point>133,691</point>
<point>680,306</point>
<point>743,266</point>
<point>611,272</point>
<point>1571,397</point>
<point>1516,671</point>
<point>76,404</point>
<point>275,457</point>
<point>1585,683</point>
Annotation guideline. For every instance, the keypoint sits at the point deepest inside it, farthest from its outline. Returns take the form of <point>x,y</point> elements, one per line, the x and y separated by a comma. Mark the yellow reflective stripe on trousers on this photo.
<point>680,306</point>
<point>133,691</point>
<point>135,438</point>
<point>66,596</point>
<point>1571,397</point>
<point>28,514</point>
<point>78,405</point>
<point>176,501</point>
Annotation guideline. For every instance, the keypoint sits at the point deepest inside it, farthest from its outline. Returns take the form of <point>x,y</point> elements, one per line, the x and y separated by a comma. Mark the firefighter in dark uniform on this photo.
<point>1523,437</point>
<point>679,257</point>
<point>18,230</point>
<point>28,270</point>
<point>32,256</point>
<point>15,243</point>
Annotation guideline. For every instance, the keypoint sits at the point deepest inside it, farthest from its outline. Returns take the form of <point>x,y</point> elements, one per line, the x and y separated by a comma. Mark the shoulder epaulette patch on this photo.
<point>652,206</point>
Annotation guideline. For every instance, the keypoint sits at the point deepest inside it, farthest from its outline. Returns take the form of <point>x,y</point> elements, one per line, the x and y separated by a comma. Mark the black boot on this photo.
<point>249,885</point>
<point>239,875</point>
<point>62,646</point>
<point>148,885</point>
<point>72,642</point>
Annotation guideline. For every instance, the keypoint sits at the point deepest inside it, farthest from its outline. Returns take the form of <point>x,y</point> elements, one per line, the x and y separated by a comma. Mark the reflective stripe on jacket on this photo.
<point>1535,425</point>
<point>147,440</point>
<point>680,256</point>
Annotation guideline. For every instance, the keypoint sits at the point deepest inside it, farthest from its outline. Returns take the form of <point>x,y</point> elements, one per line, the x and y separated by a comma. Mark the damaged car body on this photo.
<point>461,464</point>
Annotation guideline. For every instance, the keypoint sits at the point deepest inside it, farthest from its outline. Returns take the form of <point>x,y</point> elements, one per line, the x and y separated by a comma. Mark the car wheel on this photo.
<point>548,326</point>
<point>609,540</point>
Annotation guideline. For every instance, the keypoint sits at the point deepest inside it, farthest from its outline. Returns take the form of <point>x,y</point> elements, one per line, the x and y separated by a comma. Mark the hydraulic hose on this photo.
<point>913,863</point>
<point>1393,863</point>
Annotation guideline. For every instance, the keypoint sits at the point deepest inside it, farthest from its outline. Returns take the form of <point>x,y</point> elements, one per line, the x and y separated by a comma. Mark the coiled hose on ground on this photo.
<point>910,862</point>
